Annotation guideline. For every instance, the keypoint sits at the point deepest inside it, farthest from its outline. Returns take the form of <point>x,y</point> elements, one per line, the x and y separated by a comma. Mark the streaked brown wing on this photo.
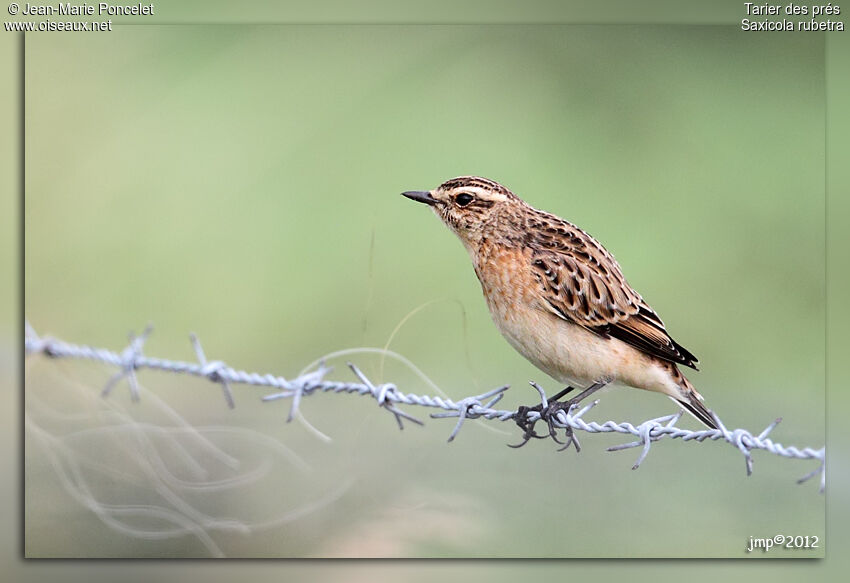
<point>582,283</point>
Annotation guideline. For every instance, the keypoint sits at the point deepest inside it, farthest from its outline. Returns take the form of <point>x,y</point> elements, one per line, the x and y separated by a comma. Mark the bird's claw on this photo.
<point>549,415</point>
<point>521,419</point>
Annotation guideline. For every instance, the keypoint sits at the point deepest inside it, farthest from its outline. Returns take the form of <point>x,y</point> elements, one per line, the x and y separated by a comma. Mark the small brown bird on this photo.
<point>559,297</point>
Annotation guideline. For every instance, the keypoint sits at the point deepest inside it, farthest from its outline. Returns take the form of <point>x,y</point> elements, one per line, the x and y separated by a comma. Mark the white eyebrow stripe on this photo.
<point>484,193</point>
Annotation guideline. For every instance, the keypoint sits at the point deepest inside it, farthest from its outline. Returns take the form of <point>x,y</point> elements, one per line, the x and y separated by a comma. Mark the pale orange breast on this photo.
<point>506,279</point>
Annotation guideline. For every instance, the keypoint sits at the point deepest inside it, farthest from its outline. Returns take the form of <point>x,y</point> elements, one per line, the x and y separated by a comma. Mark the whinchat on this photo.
<point>559,297</point>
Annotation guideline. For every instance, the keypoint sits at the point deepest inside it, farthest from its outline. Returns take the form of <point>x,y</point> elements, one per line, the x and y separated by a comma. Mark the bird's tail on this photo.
<point>696,408</point>
<point>691,401</point>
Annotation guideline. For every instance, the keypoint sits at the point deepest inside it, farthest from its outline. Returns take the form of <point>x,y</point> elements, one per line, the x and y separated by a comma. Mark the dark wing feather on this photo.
<point>583,284</point>
<point>642,331</point>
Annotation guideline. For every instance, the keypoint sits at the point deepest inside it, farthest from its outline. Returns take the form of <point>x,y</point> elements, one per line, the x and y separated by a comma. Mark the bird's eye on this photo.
<point>463,199</point>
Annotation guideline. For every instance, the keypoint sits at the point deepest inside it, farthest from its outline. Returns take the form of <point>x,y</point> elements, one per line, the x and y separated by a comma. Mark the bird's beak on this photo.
<point>420,196</point>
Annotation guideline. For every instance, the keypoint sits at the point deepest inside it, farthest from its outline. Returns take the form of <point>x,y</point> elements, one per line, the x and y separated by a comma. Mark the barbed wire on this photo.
<point>388,396</point>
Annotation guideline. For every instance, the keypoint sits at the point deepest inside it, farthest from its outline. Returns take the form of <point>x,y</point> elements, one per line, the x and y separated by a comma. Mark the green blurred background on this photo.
<point>242,182</point>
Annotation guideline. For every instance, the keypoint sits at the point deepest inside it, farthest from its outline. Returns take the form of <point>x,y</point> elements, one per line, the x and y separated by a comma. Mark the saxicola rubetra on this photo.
<point>559,297</point>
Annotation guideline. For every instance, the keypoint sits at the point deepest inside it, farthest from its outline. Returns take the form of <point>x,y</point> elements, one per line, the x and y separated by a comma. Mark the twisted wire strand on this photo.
<point>388,396</point>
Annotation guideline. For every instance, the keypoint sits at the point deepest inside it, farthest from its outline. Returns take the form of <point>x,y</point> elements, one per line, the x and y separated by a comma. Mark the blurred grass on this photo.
<point>242,182</point>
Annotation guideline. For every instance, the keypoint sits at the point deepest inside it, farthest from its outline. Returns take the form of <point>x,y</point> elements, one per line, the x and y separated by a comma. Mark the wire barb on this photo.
<point>385,394</point>
<point>569,417</point>
<point>471,408</point>
<point>129,362</point>
<point>212,370</point>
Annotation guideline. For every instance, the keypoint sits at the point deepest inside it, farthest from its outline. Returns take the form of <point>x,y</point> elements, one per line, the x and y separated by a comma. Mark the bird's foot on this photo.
<point>549,415</point>
<point>521,419</point>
